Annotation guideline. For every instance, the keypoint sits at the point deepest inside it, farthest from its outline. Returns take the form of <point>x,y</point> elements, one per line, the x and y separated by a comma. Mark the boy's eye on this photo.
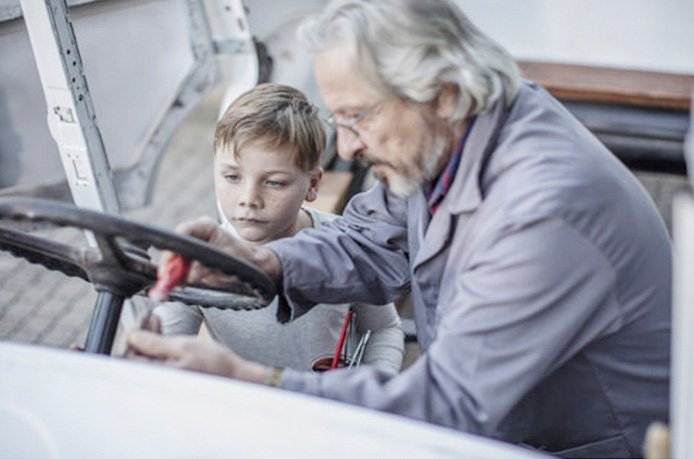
<point>232,177</point>
<point>274,183</point>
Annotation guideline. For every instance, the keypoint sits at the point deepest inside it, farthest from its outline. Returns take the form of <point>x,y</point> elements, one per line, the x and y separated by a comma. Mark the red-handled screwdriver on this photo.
<point>174,273</point>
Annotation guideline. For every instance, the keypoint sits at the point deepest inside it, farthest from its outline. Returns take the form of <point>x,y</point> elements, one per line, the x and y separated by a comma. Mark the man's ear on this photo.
<point>447,100</point>
<point>316,177</point>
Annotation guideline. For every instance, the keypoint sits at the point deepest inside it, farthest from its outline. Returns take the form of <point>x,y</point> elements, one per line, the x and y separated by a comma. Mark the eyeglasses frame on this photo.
<point>332,120</point>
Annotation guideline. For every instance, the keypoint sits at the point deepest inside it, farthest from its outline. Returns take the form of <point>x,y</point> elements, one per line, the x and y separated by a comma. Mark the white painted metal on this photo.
<point>682,395</point>
<point>71,117</point>
<point>243,65</point>
<point>689,144</point>
<point>64,404</point>
<point>682,382</point>
<point>200,77</point>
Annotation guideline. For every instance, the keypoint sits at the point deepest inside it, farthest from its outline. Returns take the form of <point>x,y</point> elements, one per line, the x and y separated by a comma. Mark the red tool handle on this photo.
<point>341,340</point>
<point>173,274</point>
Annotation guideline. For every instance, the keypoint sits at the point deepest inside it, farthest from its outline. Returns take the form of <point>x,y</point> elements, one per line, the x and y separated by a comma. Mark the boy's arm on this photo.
<point>386,347</point>
<point>179,319</point>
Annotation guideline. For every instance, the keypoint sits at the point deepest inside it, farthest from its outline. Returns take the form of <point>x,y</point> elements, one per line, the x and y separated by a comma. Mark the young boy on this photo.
<point>267,150</point>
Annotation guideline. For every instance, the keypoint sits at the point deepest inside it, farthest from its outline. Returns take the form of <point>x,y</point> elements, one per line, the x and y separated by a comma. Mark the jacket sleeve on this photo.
<point>505,322</point>
<point>360,257</point>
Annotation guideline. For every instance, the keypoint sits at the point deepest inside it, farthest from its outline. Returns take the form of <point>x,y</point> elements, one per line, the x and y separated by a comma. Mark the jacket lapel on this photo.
<point>464,196</point>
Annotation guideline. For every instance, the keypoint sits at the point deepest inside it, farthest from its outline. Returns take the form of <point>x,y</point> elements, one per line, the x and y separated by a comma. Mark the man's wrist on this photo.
<point>274,377</point>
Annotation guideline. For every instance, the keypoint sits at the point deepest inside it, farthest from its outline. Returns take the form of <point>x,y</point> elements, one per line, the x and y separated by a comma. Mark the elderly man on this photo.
<point>538,266</point>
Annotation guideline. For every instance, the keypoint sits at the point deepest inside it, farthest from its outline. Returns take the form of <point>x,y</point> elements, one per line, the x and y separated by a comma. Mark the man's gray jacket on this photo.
<point>541,289</point>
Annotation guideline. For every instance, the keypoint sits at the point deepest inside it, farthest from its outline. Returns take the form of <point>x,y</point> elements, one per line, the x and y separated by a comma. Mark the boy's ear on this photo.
<point>316,177</point>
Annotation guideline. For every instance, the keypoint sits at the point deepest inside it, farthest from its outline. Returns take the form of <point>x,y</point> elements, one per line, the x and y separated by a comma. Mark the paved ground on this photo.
<point>47,308</point>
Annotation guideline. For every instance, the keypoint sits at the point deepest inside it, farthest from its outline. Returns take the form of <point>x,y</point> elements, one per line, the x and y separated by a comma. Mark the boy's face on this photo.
<point>261,193</point>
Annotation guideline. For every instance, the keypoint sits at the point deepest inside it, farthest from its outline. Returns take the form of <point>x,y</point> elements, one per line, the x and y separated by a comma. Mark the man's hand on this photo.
<point>196,354</point>
<point>209,231</point>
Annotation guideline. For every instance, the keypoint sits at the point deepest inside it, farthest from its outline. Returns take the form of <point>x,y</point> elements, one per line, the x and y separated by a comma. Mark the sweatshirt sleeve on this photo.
<point>386,346</point>
<point>179,319</point>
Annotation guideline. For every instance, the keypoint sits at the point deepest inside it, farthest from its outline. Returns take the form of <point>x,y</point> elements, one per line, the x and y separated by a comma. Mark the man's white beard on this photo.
<point>427,164</point>
<point>402,187</point>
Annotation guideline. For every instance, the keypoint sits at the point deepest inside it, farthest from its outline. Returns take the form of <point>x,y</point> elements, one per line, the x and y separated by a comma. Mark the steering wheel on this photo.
<point>119,263</point>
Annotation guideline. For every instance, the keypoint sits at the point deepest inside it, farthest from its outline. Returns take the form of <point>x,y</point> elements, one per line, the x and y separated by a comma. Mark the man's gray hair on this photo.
<point>409,48</point>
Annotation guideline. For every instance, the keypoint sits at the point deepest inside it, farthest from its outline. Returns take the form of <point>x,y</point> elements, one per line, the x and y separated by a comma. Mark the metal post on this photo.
<point>682,377</point>
<point>237,42</point>
<point>71,117</point>
<point>72,123</point>
<point>104,325</point>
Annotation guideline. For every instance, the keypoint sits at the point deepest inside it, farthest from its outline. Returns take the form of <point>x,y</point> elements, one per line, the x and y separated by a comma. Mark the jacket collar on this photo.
<point>466,193</point>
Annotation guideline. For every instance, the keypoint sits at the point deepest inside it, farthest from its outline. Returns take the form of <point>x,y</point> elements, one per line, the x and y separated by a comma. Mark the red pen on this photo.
<point>341,340</point>
<point>173,274</point>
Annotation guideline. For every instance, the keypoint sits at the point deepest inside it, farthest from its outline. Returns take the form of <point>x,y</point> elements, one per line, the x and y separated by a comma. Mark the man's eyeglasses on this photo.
<point>334,121</point>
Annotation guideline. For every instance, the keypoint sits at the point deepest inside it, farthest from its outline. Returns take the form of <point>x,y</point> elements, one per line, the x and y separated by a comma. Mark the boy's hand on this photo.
<point>208,230</point>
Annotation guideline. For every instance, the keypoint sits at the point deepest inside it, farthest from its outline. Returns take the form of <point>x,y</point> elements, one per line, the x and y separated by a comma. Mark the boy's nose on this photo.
<point>250,196</point>
<point>349,143</point>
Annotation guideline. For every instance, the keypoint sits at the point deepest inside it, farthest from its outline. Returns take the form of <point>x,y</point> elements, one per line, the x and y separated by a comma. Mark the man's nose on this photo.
<point>349,143</point>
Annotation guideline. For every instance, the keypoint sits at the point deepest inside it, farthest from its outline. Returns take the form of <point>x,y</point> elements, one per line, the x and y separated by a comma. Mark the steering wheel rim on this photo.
<point>119,264</point>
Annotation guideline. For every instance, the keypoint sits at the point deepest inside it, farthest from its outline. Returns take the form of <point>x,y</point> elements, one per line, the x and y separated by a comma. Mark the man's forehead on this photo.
<point>338,82</point>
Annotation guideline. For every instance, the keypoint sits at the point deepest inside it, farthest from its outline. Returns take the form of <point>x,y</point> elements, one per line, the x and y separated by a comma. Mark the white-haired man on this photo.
<point>538,266</point>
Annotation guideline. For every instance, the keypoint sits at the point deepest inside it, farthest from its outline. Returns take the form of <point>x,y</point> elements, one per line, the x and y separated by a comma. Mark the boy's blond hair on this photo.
<point>278,116</point>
